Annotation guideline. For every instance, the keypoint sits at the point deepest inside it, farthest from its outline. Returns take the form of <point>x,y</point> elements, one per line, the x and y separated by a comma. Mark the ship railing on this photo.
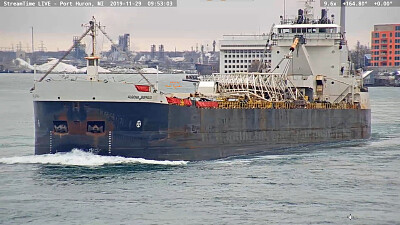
<point>332,106</point>
<point>310,36</point>
<point>293,20</point>
<point>106,78</point>
<point>245,105</point>
<point>281,105</point>
<point>236,78</point>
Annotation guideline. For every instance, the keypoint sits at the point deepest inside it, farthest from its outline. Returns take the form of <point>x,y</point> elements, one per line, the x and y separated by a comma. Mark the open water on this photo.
<point>312,185</point>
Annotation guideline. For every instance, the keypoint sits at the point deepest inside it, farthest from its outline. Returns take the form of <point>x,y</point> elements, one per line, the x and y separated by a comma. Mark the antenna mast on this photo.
<point>343,18</point>
<point>33,50</point>
<point>284,10</point>
<point>93,35</point>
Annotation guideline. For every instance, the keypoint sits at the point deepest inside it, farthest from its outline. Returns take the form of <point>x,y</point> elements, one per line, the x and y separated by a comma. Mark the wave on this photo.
<point>385,142</point>
<point>81,158</point>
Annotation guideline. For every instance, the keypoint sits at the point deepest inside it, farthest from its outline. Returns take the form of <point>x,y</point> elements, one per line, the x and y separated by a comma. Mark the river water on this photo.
<point>323,184</point>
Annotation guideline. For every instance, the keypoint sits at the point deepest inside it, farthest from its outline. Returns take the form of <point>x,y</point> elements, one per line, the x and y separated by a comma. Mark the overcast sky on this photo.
<point>193,21</point>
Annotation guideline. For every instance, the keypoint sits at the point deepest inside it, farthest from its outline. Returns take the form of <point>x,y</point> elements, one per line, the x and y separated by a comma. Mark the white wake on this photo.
<point>80,158</point>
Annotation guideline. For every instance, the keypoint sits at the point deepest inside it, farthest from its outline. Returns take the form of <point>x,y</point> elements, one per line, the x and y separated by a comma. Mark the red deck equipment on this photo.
<point>207,104</point>
<point>143,88</point>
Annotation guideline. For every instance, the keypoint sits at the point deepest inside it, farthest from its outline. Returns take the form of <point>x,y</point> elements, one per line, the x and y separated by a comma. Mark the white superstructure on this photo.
<point>320,67</point>
<point>307,54</point>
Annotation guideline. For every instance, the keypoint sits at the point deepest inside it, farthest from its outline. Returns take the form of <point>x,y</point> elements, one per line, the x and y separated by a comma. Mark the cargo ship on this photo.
<point>310,94</point>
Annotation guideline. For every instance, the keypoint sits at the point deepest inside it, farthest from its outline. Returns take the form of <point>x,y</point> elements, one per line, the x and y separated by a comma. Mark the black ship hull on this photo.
<point>171,132</point>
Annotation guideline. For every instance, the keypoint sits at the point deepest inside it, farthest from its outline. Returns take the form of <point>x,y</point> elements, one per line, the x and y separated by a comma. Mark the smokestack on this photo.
<point>342,18</point>
<point>324,16</point>
<point>300,17</point>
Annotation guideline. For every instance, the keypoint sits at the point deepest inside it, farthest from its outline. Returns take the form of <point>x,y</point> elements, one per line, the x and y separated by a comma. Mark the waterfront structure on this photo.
<point>385,45</point>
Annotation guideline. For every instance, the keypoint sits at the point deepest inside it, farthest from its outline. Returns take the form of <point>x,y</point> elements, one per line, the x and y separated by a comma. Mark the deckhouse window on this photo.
<point>329,30</point>
<point>91,62</point>
<point>311,30</point>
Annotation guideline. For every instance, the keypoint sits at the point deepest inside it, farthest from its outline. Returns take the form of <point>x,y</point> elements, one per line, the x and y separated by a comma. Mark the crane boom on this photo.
<point>62,58</point>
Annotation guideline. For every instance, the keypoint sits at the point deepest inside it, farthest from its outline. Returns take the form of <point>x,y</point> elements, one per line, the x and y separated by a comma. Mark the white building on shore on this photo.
<point>238,52</point>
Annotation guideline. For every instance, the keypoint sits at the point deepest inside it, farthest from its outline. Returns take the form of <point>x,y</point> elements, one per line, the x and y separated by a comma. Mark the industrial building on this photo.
<point>124,42</point>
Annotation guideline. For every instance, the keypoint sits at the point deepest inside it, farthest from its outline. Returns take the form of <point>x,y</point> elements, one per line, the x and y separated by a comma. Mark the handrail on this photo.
<point>282,105</point>
<point>308,35</point>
